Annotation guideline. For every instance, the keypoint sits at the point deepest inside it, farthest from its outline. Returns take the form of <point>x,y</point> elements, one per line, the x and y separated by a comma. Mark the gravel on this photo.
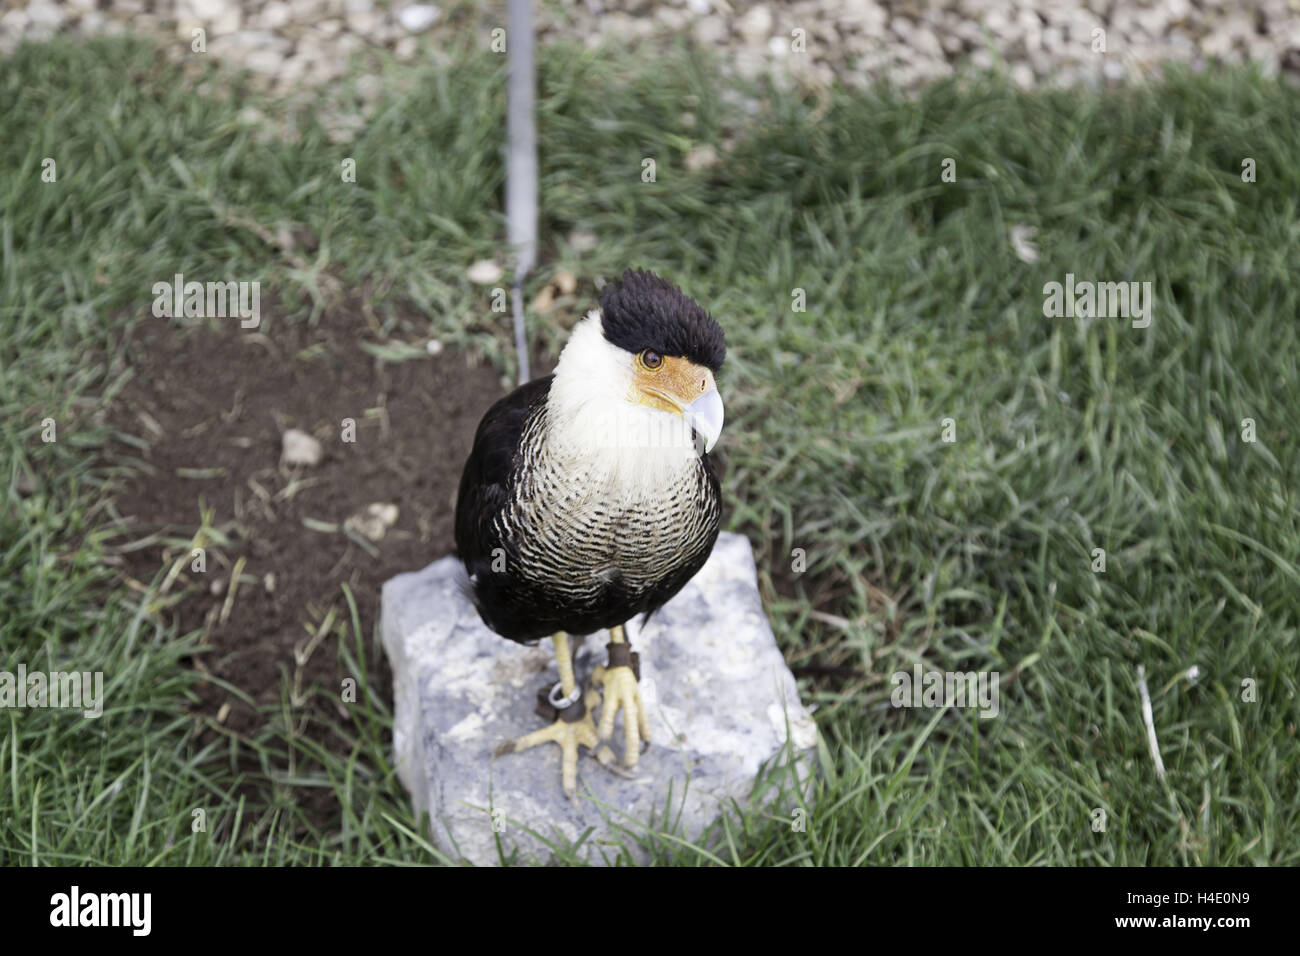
<point>809,42</point>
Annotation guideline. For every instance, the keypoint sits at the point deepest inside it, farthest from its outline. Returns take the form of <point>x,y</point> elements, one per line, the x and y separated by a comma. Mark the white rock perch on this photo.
<point>717,691</point>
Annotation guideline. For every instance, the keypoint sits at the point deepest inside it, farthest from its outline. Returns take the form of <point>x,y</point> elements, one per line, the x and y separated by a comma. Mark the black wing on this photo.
<point>484,484</point>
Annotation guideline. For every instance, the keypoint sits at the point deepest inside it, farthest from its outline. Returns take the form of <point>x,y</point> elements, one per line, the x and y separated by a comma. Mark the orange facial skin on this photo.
<point>672,385</point>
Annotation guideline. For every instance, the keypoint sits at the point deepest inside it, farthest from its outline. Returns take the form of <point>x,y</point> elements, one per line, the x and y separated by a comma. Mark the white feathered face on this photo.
<point>646,409</point>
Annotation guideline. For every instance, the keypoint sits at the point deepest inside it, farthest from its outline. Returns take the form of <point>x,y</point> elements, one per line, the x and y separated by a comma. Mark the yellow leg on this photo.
<point>569,734</point>
<point>621,693</point>
<point>563,661</point>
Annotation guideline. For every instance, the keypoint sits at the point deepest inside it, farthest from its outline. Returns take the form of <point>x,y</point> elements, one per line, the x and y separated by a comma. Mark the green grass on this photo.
<point>971,555</point>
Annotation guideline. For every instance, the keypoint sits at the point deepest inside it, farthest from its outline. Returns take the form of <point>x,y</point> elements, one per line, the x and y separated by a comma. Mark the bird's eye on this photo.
<point>651,359</point>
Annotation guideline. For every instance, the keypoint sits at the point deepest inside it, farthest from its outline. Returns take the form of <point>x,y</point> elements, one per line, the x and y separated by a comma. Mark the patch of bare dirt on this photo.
<point>211,403</point>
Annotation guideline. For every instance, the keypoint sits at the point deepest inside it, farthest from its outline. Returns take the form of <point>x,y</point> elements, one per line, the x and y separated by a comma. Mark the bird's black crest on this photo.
<point>643,311</point>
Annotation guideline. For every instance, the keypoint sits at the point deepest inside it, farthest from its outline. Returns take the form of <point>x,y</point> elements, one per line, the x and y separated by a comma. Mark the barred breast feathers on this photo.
<point>579,524</point>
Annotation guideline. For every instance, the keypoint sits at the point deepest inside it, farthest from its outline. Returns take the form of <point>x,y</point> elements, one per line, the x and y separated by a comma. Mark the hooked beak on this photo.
<point>680,386</point>
<point>705,416</point>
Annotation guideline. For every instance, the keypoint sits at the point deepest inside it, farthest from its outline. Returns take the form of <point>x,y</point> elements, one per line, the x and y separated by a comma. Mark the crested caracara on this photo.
<point>589,498</point>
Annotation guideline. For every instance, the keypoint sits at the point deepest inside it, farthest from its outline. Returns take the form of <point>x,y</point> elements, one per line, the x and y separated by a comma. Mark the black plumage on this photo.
<point>545,552</point>
<point>644,311</point>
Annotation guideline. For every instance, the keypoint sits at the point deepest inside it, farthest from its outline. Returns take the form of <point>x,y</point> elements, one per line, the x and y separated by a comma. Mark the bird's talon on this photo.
<point>569,734</point>
<point>622,693</point>
<point>607,759</point>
